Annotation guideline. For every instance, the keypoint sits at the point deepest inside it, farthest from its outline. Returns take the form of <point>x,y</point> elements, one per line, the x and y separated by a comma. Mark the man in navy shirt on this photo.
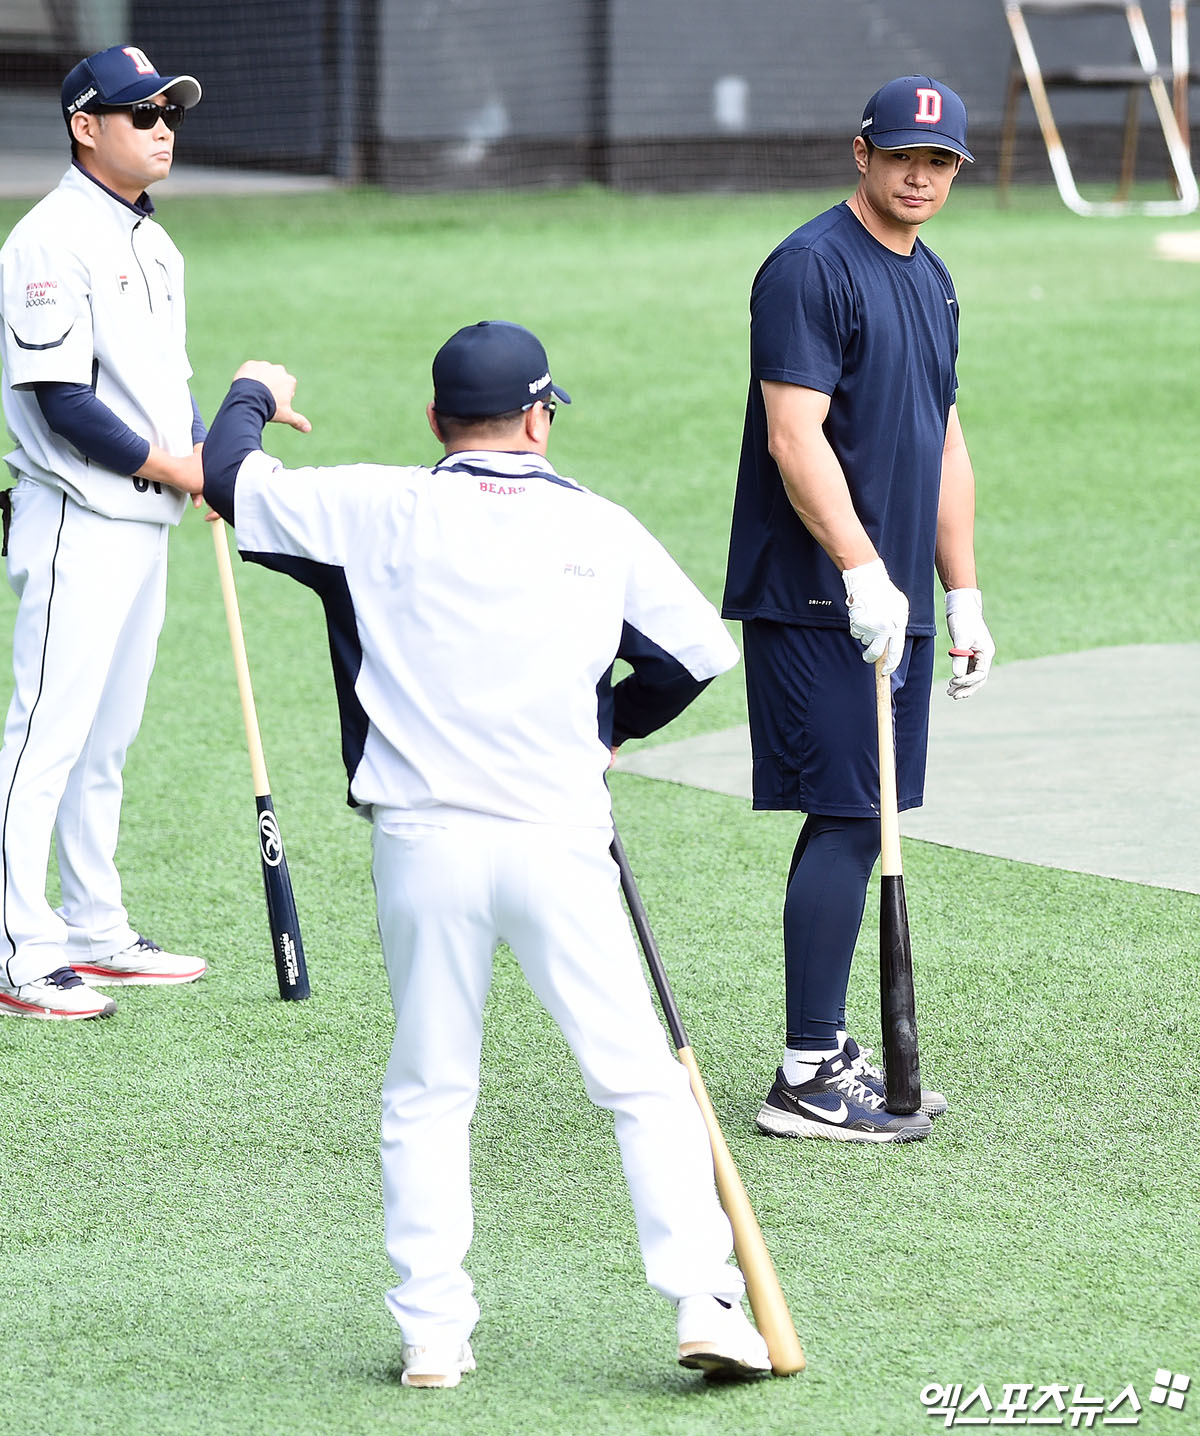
<point>854,486</point>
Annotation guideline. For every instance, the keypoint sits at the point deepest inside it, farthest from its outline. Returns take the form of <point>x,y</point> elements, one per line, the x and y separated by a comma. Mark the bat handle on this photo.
<point>233,617</point>
<point>889,817</point>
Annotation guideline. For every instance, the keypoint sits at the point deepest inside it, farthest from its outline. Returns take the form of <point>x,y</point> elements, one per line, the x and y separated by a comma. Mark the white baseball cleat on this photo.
<point>436,1365</point>
<point>60,996</point>
<point>716,1338</point>
<point>142,962</point>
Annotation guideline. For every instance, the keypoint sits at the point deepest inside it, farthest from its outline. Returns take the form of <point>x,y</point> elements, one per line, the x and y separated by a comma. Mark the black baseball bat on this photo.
<point>291,970</point>
<point>897,996</point>
<point>287,947</point>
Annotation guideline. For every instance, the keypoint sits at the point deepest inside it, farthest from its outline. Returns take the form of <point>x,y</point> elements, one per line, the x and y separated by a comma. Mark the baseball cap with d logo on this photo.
<point>122,75</point>
<point>916,111</point>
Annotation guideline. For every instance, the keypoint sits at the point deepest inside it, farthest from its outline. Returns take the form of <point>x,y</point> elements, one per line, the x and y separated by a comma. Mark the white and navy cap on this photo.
<point>122,75</point>
<point>492,367</point>
<point>913,112</point>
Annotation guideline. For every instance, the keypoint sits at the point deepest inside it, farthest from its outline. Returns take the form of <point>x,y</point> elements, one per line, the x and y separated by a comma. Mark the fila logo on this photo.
<point>929,107</point>
<point>143,66</point>
<point>122,282</point>
<point>577,571</point>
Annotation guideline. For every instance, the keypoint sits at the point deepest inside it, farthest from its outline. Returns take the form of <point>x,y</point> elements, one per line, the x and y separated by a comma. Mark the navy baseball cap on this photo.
<point>492,367</point>
<point>913,112</point>
<point>122,75</point>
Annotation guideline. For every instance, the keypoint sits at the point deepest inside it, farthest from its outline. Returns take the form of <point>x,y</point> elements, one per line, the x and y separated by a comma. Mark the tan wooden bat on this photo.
<point>767,1302</point>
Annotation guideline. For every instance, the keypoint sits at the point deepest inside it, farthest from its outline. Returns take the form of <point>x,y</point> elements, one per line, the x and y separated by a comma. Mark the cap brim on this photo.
<point>918,140</point>
<point>560,394</point>
<point>179,89</point>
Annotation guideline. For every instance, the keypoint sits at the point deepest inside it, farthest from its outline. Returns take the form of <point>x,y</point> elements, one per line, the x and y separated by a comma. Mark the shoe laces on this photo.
<point>849,1083</point>
<point>867,1068</point>
<point>64,977</point>
<point>143,944</point>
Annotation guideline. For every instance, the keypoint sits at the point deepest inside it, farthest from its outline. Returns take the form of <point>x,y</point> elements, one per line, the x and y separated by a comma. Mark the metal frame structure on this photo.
<point>1145,71</point>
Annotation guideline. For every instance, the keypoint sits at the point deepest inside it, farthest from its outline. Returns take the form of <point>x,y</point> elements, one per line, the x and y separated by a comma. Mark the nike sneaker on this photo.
<point>835,1103</point>
<point>933,1104</point>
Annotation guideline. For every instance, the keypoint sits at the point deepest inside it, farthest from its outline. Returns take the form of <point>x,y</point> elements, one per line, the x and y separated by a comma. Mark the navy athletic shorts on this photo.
<point>811,700</point>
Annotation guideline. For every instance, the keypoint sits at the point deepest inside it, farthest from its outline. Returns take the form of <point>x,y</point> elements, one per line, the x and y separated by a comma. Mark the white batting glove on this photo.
<point>971,646</point>
<point>878,613</point>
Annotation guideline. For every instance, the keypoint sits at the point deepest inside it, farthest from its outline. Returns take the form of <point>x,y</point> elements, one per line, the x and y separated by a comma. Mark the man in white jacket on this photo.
<point>92,340</point>
<point>475,611</point>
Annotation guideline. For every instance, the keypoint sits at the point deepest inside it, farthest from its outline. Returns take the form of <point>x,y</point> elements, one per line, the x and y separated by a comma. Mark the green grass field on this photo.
<point>193,1241</point>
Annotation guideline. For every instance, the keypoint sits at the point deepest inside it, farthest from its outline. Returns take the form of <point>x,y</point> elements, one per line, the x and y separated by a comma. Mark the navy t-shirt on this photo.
<point>832,309</point>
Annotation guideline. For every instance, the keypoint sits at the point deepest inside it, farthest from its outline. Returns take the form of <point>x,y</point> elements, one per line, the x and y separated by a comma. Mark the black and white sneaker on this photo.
<point>933,1104</point>
<point>836,1104</point>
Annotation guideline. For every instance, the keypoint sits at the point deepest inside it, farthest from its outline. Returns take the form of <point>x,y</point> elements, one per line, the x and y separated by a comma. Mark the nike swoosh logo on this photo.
<point>839,1114</point>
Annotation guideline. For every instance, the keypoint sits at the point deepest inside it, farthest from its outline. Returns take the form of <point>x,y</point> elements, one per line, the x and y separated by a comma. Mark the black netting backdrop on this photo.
<point>636,94</point>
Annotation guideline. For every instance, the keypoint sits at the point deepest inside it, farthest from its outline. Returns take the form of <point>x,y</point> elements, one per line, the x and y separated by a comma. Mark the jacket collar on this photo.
<point>500,463</point>
<point>143,206</point>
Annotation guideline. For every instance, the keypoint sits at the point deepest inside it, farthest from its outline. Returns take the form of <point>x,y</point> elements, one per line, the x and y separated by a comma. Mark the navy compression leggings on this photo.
<point>822,913</point>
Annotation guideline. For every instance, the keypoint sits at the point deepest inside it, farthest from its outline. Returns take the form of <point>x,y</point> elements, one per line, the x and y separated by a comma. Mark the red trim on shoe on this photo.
<point>115,974</point>
<point>44,1011</point>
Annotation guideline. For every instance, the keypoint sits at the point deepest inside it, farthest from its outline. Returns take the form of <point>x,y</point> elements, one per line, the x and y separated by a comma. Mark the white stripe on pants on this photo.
<point>448,889</point>
<point>92,594</point>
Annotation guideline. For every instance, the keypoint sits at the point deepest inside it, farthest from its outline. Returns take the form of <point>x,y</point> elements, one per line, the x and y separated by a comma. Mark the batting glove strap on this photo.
<point>878,613</point>
<point>964,619</point>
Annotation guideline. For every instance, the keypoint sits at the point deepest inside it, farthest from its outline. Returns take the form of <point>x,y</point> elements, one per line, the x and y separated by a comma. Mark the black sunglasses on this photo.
<point>549,405</point>
<point>146,114</point>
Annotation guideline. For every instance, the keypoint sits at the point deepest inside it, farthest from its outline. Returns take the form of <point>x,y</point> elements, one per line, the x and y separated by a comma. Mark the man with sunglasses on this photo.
<point>475,611</point>
<point>108,444</point>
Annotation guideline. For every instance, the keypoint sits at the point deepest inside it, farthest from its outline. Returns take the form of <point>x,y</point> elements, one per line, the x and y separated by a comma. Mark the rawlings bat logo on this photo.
<point>269,842</point>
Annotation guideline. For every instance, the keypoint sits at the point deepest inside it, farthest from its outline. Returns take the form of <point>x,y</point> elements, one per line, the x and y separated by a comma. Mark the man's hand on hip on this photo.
<point>878,613</point>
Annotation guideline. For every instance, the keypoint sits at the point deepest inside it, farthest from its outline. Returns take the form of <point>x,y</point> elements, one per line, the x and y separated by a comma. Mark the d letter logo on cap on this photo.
<point>143,66</point>
<point>929,107</point>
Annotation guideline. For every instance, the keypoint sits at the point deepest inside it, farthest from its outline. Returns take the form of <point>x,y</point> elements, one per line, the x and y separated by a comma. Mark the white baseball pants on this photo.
<point>449,889</point>
<point>92,596</point>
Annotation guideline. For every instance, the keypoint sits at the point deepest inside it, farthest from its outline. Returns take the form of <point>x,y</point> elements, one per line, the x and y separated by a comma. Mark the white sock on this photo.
<point>801,1066</point>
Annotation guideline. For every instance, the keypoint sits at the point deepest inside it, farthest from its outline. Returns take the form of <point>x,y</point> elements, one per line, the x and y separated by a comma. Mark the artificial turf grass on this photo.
<point>1008,1247</point>
<point>192,1189</point>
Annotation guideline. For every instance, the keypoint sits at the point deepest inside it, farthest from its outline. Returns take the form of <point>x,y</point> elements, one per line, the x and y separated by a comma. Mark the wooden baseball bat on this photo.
<point>897,999</point>
<point>291,970</point>
<point>767,1301</point>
